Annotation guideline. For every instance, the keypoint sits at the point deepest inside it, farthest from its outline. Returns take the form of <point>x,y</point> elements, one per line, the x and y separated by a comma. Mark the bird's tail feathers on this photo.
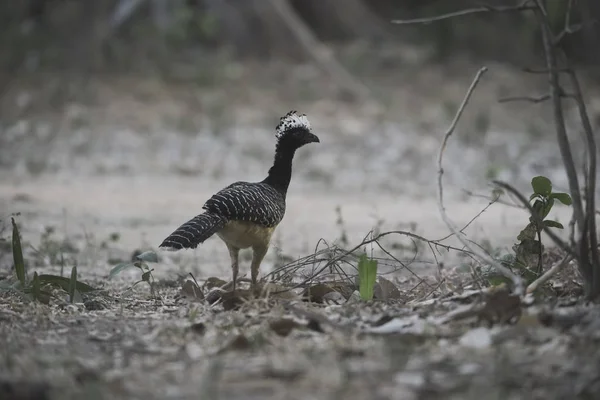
<point>194,232</point>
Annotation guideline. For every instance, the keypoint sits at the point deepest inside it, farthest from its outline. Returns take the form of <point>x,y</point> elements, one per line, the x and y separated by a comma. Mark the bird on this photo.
<point>245,214</point>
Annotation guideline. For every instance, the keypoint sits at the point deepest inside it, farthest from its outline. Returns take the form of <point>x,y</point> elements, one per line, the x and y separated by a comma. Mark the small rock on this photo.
<point>213,296</point>
<point>478,338</point>
<point>334,298</point>
<point>193,350</point>
<point>411,379</point>
<point>198,328</point>
<point>283,326</point>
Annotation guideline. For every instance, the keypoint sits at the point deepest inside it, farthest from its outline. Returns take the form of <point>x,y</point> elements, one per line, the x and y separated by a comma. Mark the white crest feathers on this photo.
<point>289,121</point>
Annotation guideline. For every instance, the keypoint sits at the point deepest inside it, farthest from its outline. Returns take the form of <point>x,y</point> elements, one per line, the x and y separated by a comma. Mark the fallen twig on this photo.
<point>533,286</point>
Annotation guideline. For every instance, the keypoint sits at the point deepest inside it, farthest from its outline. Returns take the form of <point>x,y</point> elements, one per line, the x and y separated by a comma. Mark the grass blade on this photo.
<point>64,283</point>
<point>73,284</point>
<point>18,253</point>
<point>367,272</point>
<point>36,288</point>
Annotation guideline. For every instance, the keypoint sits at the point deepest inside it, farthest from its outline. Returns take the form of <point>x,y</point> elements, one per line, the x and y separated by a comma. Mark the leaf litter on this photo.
<point>283,339</point>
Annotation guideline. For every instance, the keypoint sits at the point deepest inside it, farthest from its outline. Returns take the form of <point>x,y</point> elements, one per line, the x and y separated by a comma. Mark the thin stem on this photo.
<point>524,5</point>
<point>517,281</point>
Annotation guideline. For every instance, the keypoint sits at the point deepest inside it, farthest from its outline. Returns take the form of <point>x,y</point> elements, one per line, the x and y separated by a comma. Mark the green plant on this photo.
<point>39,287</point>
<point>529,249</point>
<point>140,262</point>
<point>367,273</point>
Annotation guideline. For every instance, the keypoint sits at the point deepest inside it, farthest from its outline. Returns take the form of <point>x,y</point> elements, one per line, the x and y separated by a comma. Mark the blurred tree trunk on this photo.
<point>253,27</point>
<point>233,24</point>
<point>342,20</point>
<point>590,16</point>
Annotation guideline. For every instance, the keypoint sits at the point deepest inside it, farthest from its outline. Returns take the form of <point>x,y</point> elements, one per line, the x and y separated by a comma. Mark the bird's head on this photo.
<point>293,131</point>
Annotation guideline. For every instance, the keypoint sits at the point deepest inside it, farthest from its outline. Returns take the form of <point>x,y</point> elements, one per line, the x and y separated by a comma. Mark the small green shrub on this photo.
<point>140,262</point>
<point>39,287</point>
<point>529,250</point>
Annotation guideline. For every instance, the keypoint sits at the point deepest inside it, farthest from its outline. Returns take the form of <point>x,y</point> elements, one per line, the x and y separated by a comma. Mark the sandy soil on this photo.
<point>117,165</point>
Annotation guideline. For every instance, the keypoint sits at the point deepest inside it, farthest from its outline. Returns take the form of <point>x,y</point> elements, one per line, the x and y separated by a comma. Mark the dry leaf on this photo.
<point>385,290</point>
<point>502,307</point>
<point>317,292</point>
<point>198,328</point>
<point>214,282</point>
<point>233,300</point>
<point>277,291</point>
<point>283,326</point>
<point>191,290</point>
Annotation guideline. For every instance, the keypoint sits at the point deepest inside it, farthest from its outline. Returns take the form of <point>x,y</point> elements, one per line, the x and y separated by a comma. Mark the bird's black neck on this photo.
<point>280,173</point>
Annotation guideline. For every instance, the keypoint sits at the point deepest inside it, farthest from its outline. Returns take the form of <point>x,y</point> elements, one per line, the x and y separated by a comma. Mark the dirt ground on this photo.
<point>118,165</point>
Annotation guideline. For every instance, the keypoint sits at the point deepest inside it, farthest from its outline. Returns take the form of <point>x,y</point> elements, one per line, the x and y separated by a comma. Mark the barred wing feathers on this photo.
<point>243,201</point>
<point>252,202</point>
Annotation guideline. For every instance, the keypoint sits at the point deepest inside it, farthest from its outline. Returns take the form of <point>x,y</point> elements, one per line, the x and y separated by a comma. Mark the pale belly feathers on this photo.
<point>243,234</point>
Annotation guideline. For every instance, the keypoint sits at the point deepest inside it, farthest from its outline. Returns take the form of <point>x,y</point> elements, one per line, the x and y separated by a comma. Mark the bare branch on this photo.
<point>517,281</point>
<point>530,99</point>
<point>588,268</point>
<point>524,5</point>
<point>489,198</point>
<point>559,120</point>
<point>568,28</point>
<point>542,70</point>
<point>484,209</point>
<point>590,193</point>
<point>534,100</point>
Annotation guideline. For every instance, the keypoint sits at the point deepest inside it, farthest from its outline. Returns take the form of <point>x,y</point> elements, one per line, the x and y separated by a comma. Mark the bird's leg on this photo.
<point>234,254</point>
<point>257,257</point>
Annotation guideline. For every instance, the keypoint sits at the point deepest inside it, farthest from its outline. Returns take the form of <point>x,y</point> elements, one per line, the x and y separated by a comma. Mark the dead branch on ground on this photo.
<point>533,286</point>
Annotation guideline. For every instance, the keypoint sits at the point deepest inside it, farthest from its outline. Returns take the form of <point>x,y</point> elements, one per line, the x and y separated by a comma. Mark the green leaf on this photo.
<point>553,224</point>
<point>541,185</point>
<point>18,253</point>
<point>367,272</point>
<point>533,196</point>
<point>148,256</point>
<point>72,284</point>
<point>538,209</point>
<point>64,283</point>
<point>497,280</point>
<point>528,233</point>
<point>117,269</point>
<point>564,198</point>
<point>547,208</point>
<point>77,298</point>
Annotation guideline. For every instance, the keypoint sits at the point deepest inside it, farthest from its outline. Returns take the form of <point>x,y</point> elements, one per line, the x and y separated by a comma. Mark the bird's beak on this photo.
<point>313,139</point>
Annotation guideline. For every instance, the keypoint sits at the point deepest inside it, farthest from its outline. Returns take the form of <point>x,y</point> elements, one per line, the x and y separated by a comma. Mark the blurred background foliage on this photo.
<point>154,35</point>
